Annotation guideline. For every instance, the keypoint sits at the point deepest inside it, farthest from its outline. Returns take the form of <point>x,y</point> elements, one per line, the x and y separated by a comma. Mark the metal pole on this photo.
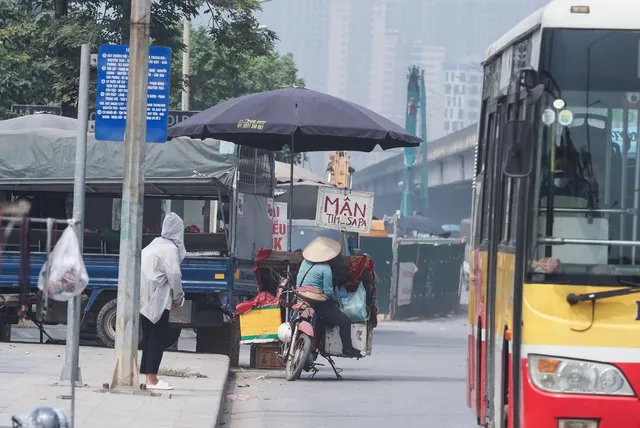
<point>125,375</point>
<point>625,166</point>
<point>636,193</point>
<point>290,207</point>
<point>71,373</point>
<point>185,64</point>
<point>393,290</point>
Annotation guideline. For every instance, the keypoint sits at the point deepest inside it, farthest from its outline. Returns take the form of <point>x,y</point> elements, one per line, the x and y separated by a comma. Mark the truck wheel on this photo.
<point>106,324</point>
<point>223,340</point>
<point>5,332</point>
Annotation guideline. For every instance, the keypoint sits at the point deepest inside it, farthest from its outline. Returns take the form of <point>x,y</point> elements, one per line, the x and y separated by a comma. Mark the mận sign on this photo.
<point>342,209</point>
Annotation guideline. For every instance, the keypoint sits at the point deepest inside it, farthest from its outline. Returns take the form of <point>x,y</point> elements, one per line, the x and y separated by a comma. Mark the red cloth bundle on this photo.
<point>262,300</point>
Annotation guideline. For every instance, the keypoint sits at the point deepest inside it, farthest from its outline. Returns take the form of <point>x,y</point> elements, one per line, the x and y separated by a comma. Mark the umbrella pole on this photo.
<point>290,209</point>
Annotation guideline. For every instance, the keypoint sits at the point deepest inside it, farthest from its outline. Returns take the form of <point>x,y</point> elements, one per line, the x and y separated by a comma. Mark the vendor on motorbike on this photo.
<point>316,271</point>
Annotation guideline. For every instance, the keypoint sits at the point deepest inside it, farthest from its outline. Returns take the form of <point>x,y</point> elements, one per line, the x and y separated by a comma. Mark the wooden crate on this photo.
<point>264,356</point>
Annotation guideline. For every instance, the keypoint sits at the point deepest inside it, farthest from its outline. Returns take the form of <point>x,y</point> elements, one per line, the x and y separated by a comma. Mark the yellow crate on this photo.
<point>260,325</point>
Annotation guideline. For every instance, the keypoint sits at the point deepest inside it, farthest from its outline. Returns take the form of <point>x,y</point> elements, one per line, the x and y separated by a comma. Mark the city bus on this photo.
<point>554,305</point>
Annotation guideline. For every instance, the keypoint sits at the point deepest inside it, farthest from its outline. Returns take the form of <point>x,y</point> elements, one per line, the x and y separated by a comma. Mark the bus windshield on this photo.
<point>588,171</point>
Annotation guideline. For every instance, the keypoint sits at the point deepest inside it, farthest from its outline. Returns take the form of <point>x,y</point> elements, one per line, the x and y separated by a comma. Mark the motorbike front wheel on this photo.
<point>298,357</point>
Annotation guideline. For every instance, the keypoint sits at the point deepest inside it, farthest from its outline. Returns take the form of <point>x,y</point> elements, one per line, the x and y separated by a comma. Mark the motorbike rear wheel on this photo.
<point>298,357</point>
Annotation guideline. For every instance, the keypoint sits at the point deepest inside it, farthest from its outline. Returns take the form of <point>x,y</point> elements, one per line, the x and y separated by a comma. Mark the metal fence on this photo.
<point>381,251</point>
<point>426,278</point>
<point>256,171</point>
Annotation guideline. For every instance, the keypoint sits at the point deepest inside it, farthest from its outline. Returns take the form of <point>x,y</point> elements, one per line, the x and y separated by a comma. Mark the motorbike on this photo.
<point>305,337</point>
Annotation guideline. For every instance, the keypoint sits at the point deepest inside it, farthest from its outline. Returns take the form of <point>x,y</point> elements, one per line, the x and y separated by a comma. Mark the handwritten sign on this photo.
<point>280,224</point>
<point>343,209</point>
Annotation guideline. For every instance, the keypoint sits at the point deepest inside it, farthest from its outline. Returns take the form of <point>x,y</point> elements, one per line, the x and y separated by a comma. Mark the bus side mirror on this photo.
<point>530,80</point>
<point>528,77</point>
<point>535,94</point>
<point>519,148</point>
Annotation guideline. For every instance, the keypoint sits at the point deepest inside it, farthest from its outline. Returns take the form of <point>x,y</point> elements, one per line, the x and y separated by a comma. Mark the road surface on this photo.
<point>415,378</point>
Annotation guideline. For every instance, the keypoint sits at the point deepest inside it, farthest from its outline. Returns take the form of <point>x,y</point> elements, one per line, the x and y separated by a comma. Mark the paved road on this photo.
<point>415,378</point>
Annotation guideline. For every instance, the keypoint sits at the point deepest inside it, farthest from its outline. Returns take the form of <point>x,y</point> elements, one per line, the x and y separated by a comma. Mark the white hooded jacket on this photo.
<point>160,275</point>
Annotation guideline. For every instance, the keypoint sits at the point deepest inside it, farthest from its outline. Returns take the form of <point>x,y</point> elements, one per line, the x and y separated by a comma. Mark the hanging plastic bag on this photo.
<point>64,274</point>
<point>355,304</point>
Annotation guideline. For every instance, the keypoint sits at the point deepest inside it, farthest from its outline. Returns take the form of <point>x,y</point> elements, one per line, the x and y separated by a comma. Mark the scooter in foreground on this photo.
<point>305,337</point>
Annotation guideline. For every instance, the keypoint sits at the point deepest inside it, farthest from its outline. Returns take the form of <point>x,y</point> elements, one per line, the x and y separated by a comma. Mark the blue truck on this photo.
<point>220,190</point>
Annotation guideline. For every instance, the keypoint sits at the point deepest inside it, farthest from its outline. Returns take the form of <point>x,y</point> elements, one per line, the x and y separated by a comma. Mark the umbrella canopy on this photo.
<point>305,119</point>
<point>39,121</point>
<point>421,225</point>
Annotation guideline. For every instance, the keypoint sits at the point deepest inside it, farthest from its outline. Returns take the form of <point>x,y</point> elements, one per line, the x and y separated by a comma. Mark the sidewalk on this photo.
<point>28,373</point>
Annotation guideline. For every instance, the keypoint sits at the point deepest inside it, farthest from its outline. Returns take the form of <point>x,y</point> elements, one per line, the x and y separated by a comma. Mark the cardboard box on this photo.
<point>265,356</point>
<point>260,325</point>
<point>361,336</point>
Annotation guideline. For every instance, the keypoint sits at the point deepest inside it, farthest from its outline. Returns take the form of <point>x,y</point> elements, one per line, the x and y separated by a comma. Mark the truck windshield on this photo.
<point>588,173</point>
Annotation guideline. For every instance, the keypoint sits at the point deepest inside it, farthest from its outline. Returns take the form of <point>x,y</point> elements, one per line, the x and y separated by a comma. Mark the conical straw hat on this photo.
<point>322,250</point>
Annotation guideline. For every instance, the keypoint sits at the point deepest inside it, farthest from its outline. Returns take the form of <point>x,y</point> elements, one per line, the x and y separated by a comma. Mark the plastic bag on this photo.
<point>64,273</point>
<point>355,304</point>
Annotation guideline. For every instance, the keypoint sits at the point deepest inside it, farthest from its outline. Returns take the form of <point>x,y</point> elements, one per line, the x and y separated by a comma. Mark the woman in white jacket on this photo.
<point>160,291</point>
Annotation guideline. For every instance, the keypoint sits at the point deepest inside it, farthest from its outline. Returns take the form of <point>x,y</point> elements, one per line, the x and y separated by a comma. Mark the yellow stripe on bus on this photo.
<point>549,320</point>
<point>547,317</point>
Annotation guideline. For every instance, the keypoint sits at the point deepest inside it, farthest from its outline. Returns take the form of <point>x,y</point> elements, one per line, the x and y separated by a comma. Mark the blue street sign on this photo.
<point>111,97</point>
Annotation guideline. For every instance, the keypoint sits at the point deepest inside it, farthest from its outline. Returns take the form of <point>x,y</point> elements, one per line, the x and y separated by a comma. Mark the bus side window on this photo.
<point>487,187</point>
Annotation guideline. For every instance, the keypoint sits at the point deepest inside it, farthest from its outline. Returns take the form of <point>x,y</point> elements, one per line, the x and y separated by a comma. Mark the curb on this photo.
<point>223,393</point>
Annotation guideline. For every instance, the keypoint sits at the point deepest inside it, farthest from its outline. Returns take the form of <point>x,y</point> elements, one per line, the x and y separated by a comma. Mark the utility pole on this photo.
<point>71,374</point>
<point>125,375</point>
<point>185,64</point>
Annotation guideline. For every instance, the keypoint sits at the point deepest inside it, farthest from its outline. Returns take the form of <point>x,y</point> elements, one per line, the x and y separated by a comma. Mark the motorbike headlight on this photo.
<point>284,332</point>
<point>569,376</point>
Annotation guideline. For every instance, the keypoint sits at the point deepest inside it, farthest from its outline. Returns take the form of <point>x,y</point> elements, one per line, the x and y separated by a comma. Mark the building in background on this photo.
<point>463,95</point>
<point>361,50</point>
<point>357,31</point>
<point>302,28</point>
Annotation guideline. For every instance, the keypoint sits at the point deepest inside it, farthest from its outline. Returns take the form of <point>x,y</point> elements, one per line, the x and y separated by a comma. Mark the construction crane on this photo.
<point>339,170</point>
<point>415,184</point>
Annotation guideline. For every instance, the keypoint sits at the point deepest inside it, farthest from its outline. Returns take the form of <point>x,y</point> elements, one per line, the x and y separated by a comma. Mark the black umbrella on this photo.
<point>308,120</point>
<point>421,225</point>
<point>302,119</point>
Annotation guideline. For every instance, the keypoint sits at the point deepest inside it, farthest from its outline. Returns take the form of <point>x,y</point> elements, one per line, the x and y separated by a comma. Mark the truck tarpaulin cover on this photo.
<point>45,155</point>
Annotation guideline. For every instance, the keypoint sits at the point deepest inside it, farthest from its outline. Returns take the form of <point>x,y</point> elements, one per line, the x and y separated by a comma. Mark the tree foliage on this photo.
<point>40,40</point>
<point>214,78</point>
<point>285,156</point>
<point>40,50</point>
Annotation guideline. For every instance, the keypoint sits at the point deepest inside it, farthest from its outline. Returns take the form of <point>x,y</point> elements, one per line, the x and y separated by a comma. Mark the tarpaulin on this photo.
<point>262,300</point>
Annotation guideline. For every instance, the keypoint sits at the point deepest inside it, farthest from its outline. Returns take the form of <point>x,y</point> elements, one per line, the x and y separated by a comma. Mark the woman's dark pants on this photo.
<point>154,341</point>
<point>333,316</point>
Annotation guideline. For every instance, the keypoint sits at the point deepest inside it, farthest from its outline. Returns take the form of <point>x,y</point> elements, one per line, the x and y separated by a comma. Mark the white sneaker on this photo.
<point>161,386</point>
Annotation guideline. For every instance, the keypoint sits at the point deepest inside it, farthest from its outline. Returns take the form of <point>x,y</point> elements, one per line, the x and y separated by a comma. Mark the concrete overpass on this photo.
<point>450,163</point>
